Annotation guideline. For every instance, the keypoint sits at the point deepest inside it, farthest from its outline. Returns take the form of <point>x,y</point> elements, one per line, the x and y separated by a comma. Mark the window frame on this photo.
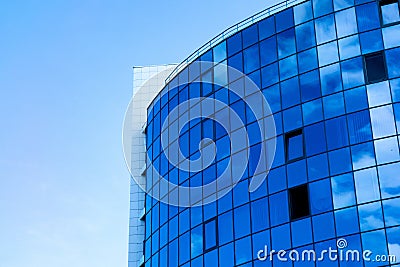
<point>205,249</point>
<point>382,3</point>
<point>292,134</point>
<point>367,80</point>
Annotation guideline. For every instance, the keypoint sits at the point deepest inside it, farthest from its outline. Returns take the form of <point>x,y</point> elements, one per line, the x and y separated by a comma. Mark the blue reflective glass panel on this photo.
<point>250,36</point>
<point>242,221</point>
<point>234,44</point>
<point>393,62</point>
<point>307,60</point>
<point>322,7</point>
<point>391,210</point>
<point>367,187</point>
<point>268,51</point>
<point>292,118</point>
<point>340,161</point>
<point>251,59</point>
<point>343,191</point>
<point>371,41</point>
<point>333,105</point>
<point>312,111</point>
<point>243,250</point>
<point>367,17</point>
<point>259,210</point>
<point>336,133</point>
<point>317,167</point>
<point>301,232</point>
<point>278,208</point>
<point>290,92</point>
<point>310,86</point>
<point>352,72</point>
<point>305,36</point>
<point>370,216</point>
<point>349,47</point>
<point>284,20</point>
<point>356,99</point>
<point>269,75</point>
<point>346,221</point>
<point>325,29</point>
<point>389,187</point>
<point>315,139</point>
<point>225,228</point>
<point>330,79</point>
<point>320,196</point>
<point>390,12</point>
<point>363,155</point>
<point>323,226</point>
<point>302,12</point>
<point>266,27</point>
<point>286,43</point>
<point>346,22</point>
<point>359,126</point>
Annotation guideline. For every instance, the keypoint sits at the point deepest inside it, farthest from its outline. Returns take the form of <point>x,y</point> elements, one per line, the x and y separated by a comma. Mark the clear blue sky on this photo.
<point>65,82</point>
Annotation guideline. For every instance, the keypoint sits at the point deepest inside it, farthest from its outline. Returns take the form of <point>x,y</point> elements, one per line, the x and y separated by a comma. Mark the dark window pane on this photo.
<point>299,202</point>
<point>375,67</point>
<point>294,145</point>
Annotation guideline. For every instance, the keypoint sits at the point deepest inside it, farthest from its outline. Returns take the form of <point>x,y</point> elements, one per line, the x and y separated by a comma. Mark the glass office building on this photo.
<point>330,71</point>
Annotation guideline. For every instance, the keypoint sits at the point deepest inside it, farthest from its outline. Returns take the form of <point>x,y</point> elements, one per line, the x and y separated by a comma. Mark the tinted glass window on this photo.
<point>299,202</point>
<point>375,67</point>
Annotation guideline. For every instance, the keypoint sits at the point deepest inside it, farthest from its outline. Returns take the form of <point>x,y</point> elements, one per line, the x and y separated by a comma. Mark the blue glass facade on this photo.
<point>330,71</point>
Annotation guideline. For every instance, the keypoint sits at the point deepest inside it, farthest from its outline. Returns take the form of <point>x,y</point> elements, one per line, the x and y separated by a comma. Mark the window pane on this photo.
<point>317,167</point>
<point>391,36</point>
<point>340,161</point>
<point>308,60</point>
<point>346,22</point>
<point>292,118</point>
<point>363,155</point>
<point>370,216</point>
<point>346,221</point>
<point>301,232</point>
<point>294,145</point>
<point>328,53</point>
<point>225,228</point>
<point>310,86</point>
<point>333,105</point>
<point>302,12</point>
<point>378,94</point>
<point>259,210</point>
<point>323,226</point>
<point>251,59</point>
<point>281,237</point>
<point>349,47</point>
<point>387,150</point>
<point>393,62</point>
<point>250,35</point>
<point>359,127</point>
<point>352,72</point>
<point>219,52</point>
<point>356,99</point>
<point>367,188</point>
<point>210,234</point>
<point>389,187</point>
<point>269,75</point>
<point>391,209</point>
<point>322,7</point>
<point>343,191</point>
<point>382,121</point>
<point>341,4</point>
<point>290,92</point>
<point>286,43</point>
<point>268,51</point>
<point>234,44</point>
<point>330,79</point>
<point>394,242</point>
<point>288,67</point>
<point>320,196</point>
<point>305,36</point>
<point>336,133</point>
<point>375,67</point>
<point>242,221</point>
<point>284,20</point>
<point>390,12</point>
<point>315,138</point>
<point>279,209</point>
<point>296,173</point>
<point>367,17</point>
<point>266,27</point>
<point>312,111</point>
<point>242,250</point>
<point>371,41</point>
<point>325,29</point>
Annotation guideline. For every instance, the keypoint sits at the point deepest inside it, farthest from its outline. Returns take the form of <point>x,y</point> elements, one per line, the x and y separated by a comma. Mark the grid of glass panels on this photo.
<point>309,61</point>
